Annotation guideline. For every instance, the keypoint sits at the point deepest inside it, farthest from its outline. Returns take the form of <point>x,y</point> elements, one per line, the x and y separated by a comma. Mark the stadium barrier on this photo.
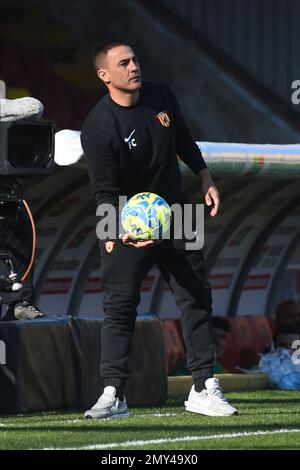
<point>54,364</point>
<point>41,367</point>
<point>252,159</point>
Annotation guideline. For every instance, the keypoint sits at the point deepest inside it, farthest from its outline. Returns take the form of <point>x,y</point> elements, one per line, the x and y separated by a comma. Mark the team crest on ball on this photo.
<point>163,118</point>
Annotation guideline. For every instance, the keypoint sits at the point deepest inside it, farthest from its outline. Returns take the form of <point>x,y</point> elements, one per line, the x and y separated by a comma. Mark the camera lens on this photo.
<point>29,145</point>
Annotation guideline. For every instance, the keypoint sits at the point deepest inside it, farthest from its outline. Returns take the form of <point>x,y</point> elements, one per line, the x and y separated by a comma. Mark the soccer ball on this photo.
<point>146,216</point>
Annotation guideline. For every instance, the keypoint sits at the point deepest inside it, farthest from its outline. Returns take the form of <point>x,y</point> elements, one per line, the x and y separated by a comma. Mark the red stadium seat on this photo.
<point>179,329</point>
<point>241,332</point>
<point>230,358</point>
<point>261,330</point>
<point>244,341</point>
<point>175,351</point>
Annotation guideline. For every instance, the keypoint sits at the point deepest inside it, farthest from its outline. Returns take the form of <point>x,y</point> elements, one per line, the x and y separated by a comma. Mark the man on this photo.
<point>131,140</point>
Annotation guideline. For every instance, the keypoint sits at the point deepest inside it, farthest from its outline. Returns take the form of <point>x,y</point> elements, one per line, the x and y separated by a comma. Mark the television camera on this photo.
<point>26,150</point>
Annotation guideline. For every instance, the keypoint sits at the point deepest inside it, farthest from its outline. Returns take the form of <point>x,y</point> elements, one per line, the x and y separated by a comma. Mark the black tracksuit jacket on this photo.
<point>134,149</point>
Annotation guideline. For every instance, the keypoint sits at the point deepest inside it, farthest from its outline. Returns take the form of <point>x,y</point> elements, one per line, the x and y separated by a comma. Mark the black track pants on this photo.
<point>122,272</point>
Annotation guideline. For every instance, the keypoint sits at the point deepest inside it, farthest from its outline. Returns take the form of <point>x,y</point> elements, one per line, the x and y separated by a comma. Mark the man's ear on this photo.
<point>103,75</point>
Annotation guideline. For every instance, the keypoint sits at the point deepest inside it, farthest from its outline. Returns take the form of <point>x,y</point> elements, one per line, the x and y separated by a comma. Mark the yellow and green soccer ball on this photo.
<point>146,216</point>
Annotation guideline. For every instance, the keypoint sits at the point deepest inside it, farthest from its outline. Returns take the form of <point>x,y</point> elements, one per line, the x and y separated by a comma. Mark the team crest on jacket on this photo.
<point>109,246</point>
<point>163,118</point>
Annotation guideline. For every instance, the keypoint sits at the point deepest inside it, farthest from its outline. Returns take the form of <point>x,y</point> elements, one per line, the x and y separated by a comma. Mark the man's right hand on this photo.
<point>138,243</point>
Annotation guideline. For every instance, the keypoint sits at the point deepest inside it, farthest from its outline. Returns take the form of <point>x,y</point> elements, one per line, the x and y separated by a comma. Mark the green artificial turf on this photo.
<point>261,411</point>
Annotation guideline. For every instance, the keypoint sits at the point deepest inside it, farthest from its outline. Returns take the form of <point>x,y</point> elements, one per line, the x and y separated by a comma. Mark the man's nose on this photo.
<point>133,66</point>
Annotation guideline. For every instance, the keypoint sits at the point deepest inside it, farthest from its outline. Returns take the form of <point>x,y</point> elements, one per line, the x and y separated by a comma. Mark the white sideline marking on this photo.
<point>155,415</point>
<point>111,445</point>
<point>75,420</point>
<point>146,415</point>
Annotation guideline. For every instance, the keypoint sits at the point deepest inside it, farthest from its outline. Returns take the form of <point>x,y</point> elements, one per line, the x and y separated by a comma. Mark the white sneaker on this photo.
<point>210,401</point>
<point>25,311</point>
<point>108,406</point>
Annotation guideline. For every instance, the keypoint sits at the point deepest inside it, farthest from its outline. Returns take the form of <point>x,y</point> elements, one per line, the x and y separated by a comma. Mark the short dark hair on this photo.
<point>102,49</point>
<point>222,323</point>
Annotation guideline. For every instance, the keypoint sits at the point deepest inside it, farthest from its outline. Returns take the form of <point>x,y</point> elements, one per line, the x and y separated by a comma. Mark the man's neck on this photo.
<point>125,99</point>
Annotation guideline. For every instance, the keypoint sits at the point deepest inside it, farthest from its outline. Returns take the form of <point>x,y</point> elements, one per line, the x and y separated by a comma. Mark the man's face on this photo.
<point>121,70</point>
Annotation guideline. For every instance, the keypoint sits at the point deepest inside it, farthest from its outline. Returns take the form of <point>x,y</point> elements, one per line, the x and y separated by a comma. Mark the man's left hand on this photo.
<point>210,192</point>
<point>212,197</point>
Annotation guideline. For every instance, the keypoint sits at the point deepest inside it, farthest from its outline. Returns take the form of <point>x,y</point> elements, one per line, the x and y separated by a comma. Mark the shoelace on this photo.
<point>106,399</point>
<point>217,392</point>
<point>34,310</point>
<point>31,307</point>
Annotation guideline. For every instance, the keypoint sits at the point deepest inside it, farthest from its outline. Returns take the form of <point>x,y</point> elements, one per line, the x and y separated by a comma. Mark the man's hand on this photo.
<point>212,196</point>
<point>210,192</point>
<point>138,243</point>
